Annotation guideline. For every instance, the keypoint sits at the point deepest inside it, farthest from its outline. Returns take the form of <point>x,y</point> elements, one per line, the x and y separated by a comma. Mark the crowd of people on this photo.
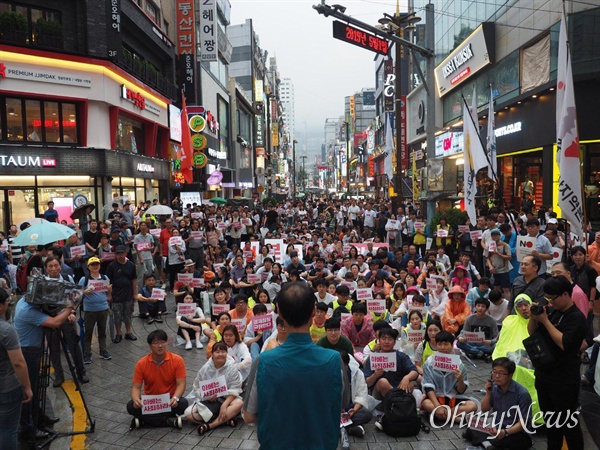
<point>378,280</point>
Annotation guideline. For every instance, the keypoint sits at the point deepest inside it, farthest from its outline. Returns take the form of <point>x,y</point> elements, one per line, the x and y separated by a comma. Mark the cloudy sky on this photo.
<point>324,70</point>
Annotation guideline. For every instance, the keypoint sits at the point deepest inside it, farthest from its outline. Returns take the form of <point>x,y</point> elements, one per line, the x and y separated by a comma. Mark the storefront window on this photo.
<point>130,135</point>
<point>521,174</point>
<point>59,124</point>
<point>11,181</point>
<point>21,204</point>
<point>64,199</point>
<point>592,182</point>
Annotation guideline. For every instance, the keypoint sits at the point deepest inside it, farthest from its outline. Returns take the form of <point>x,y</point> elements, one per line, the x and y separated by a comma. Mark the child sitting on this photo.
<point>192,323</point>
<point>457,311</point>
<point>479,322</point>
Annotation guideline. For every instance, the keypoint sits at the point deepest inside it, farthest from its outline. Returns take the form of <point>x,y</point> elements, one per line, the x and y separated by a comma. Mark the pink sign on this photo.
<point>240,324</point>
<point>364,294</point>
<point>155,232</point>
<point>196,234</point>
<point>376,306</point>
<point>262,323</point>
<point>109,256</point>
<point>197,282</point>
<point>143,246</point>
<point>218,308</point>
<point>185,277</point>
<point>445,362</point>
<point>156,404</point>
<point>186,309</point>
<point>254,278</point>
<point>158,294</point>
<point>98,285</point>
<point>78,250</point>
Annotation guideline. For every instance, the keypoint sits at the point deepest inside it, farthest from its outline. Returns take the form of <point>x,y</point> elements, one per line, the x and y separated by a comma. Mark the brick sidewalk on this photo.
<point>108,392</point>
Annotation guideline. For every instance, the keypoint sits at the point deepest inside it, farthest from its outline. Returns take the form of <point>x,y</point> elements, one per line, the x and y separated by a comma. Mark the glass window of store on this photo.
<point>132,189</point>
<point>66,192</point>
<point>130,135</point>
<point>33,120</point>
<point>520,174</point>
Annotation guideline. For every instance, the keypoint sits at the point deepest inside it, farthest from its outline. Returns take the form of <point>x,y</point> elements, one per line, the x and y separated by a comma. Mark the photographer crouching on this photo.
<point>557,336</point>
<point>29,321</point>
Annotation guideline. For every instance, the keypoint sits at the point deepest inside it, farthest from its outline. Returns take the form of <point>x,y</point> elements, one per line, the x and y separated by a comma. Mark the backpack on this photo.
<point>400,415</point>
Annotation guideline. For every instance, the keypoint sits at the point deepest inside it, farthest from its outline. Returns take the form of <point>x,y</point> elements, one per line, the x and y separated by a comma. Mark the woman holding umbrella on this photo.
<point>83,213</point>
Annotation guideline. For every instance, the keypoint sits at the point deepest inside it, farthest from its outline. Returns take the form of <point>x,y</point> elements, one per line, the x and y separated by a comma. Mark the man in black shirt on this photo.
<point>271,219</point>
<point>557,383</point>
<point>91,238</point>
<point>123,277</point>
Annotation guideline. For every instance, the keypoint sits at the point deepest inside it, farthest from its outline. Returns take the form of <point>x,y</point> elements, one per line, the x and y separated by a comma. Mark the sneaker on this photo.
<point>356,430</point>
<point>344,438</point>
<point>136,424</point>
<point>130,337</point>
<point>158,320</point>
<point>84,379</point>
<point>378,425</point>
<point>150,320</point>
<point>118,338</point>
<point>175,422</point>
<point>199,344</point>
<point>87,359</point>
<point>105,355</point>
<point>188,345</point>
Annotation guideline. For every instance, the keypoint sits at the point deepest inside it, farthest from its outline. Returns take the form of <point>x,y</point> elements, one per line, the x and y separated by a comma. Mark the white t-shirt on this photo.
<point>496,312</point>
<point>370,218</point>
<point>353,212</point>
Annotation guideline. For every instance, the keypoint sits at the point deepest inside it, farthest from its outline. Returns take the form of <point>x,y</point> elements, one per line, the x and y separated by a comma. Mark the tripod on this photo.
<point>44,382</point>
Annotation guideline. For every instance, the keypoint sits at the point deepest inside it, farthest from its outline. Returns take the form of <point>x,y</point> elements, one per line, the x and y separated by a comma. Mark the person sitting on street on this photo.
<point>317,329</point>
<point>160,372</point>
<point>238,350</point>
<point>374,346</point>
<point>150,308</point>
<point>356,397</point>
<point>442,389</point>
<point>502,395</point>
<point>216,334</point>
<point>481,321</point>
<point>212,411</point>
<point>254,340</point>
<point>192,323</point>
<point>457,311</point>
<point>358,328</point>
<point>343,304</point>
<point>333,338</point>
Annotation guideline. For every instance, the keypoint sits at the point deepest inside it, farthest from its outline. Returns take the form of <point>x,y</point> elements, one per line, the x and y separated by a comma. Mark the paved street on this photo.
<point>108,392</point>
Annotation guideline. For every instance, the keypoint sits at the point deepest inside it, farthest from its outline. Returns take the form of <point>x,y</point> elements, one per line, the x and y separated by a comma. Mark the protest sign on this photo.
<point>98,285</point>
<point>445,362</point>
<point>475,337</point>
<point>376,306</point>
<point>186,309</point>
<point>385,361</point>
<point>218,308</point>
<point>78,250</point>
<point>414,336</point>
<point>185,277</point>
<point>262,323</point>
<point>525,245</point>
<point>158,294</point>
<point>215,387</point>
<point>240,324</point>
<point>364,294</point>
<point>156,404</point>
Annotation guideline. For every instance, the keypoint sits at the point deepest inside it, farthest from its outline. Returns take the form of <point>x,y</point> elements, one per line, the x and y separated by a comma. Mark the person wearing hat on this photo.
<point>457,310</point>
<point>498,262</point>
<point>116,238</point>
<point>95,308</point>
<point>123,276</point>
<point>182,288</point>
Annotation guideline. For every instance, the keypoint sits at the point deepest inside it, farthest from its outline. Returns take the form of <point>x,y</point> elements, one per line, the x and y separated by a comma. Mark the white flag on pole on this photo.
<point>389,147</point>
<point>474,155</point>
<point>567,139</point>
<point>491,140</point>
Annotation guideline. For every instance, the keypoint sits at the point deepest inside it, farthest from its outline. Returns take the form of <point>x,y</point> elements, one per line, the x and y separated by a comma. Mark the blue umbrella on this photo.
<point>43,233</point>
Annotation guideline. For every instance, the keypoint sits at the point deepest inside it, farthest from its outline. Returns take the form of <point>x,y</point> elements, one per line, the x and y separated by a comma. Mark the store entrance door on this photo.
<point>17,205</point>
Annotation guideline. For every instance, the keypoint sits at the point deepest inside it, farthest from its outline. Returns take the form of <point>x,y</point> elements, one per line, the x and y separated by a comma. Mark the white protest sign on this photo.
<point>278,249</point>
<point>218,308</point>
<point>196,215</point>
<point>345,420</point>
<point>254,278</point>
<point>185,277</point>
<point>445,362</point>
<point>525,245</point>
<point>155,232</point>
<point>442,233</point>
<point>254,245</point>
<point>158,294</point>
<point>186,309</point>
<point>216,387</point>
<point>463,228</point>
<point>300,250</point>
<point>476,234</point>
<point>109,256</point>
<point>376,306</point>
<point>475,337</point>
<point>262,323</point>
<point>492,247</point>
<point>197,282</point>
<point>98,285</point>
<point>350,284</point>
<point>143,246</point>
<point>385,361</point>
<point>196,234</point>
<point>414,336</point>
<point>155,404</point>
<point>419,226</point>
<point>363,294</point>
<point>431,283</point>
<point>78,250</point>
<point>175,240</point>
<point>557,254</point>
<point>240,324</point>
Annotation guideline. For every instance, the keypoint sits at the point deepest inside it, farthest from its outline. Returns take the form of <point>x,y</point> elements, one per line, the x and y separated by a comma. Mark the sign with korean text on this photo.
<point>155,232</point>
<point>186,309</point>
<point>218,308</point>
<point>78,250</point>
<point>262,323</point>
<point>445,362</point>
<point>278,249</point>
<point>431,283</point>
<point>415,336</point>
<point>156,404</point>
<point>492,247</point>
<point>419,226</point>
<point>208,30</point>
<point>376,306</point>
<point>525,245</point>
<point>175,240</point>
<point>364,294</point>
<point>463,228</point>
<point>185,277</point>
<point>113,35</point>
<point>98,285</point>
<point>143,246</point>
<point>442,233</point>
<point>385,361</point>
<point>214,388</point>
<point>360,38</point>
<point>197,282</point>
<point>403,144</point>
<point>475,337</point>
<point>108,256</point>
<point>186,45</point>
<point>158,294</point>
<point>196,234</point>
<point>254,278</point>
<point>240,324</point>
<point>475,234</point>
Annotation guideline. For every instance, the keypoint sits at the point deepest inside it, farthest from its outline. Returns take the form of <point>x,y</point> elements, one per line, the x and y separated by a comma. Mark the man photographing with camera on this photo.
<point>29,322</point>
<point>557,378</point>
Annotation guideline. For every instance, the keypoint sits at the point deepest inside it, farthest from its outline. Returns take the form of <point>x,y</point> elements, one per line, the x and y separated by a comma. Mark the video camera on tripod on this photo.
<point>53,295</point>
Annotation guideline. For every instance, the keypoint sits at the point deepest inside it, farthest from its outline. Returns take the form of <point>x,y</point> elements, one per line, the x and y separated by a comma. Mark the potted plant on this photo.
<point>13,27</point>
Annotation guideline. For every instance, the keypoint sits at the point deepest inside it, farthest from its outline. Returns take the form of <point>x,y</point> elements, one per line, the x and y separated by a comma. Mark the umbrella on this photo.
<point>32,221</point>
<point>80,210</point>
<point>43,233</point>
<point>160,210</point>
<point>218,200</point>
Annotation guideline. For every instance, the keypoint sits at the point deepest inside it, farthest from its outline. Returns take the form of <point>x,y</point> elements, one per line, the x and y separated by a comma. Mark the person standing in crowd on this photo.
<point>15,388</point>
<point>91,238</point>
<point>528,282</point>
<point>51,215</point>
<point>315,373</point>
<point>145,250</point>
<point>123,277</point>
<point>165,235</point>
<point>562,331</point>
<point>543,248</point>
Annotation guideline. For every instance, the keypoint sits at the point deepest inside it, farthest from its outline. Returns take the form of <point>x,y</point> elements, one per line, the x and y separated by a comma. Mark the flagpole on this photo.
<point>490,167</point>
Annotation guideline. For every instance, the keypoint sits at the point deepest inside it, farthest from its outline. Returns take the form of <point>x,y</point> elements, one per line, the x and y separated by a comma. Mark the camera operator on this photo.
<point>29,320</point>
<point>557,383</point>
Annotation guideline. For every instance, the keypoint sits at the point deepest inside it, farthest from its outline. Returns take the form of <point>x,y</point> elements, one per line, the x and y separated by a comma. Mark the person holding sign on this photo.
<point>498,262</point>
<point>190,318</point>
<point>401,374</point>
<point>480,332</point>
<point>217,389</point>
<point>444,236</point>
<point>259,330</point>
<point>161,372</point>
<point>150,307</point>
<point>413,334</point>
<point>95,307</point>
<point>511,403</point>
<point>175,256</point>
<point>237,350</point>
<point>457,311</point>
<point>143,242</point>
<point>444,381</point>
<point>543,248</point>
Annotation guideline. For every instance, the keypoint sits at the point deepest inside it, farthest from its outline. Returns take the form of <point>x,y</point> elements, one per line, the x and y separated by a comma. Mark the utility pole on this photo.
<point>303,173</point>
<point>347,156</point>
<point>294,168</point>
<point>430,85</point>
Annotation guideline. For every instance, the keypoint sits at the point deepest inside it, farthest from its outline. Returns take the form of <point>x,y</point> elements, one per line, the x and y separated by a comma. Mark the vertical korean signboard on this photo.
<point>403,146</point>
<point>185,49</point>
<point>113,35</point>
<point>208,30</point>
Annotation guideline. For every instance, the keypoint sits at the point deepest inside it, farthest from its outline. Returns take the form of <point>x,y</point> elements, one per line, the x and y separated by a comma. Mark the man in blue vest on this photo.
<point>306,379</point>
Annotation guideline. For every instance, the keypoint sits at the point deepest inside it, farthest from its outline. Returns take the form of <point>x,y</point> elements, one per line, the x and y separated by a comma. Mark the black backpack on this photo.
<point>400,415</point>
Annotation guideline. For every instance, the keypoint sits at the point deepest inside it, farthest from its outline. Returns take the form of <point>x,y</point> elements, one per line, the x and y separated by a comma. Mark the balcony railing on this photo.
<point>146,73</point>
<point>46,35</point>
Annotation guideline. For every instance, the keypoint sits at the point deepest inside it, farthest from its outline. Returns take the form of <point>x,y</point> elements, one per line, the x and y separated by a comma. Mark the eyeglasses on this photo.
<point>500,374</point>
<point>551,299</point>
<point>159,343</point>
